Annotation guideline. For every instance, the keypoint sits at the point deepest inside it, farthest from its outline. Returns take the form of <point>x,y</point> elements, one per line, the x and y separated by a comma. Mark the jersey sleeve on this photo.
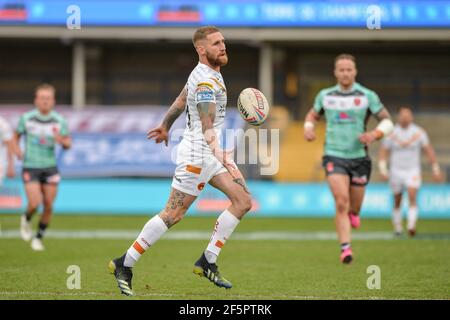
<point>375,104</point>
<point>205,92</point>
<point>21,126</point>
<point>318,102</point>
<point>6,132</point>
<point>424,140</point>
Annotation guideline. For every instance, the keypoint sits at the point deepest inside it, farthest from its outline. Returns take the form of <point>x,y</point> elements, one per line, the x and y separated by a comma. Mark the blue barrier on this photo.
<point>233,13</point>
<point>148,196</point>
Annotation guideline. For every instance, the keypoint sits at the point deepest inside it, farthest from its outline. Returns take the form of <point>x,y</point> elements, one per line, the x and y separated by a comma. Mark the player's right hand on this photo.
<point>309,134</point>
<point>160,134</point>
<point>384,177</point>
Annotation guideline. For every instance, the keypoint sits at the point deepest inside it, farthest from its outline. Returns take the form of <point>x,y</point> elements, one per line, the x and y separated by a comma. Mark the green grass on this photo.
<point>279,269</point>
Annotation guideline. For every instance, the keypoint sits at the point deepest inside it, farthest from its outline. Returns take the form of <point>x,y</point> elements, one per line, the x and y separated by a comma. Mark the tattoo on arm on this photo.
<point>207,113</point>
<point>383,114</point>
<point>241,182</point>
<point>175,110</point>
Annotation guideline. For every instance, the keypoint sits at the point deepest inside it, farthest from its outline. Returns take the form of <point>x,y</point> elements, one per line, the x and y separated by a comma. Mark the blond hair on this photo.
<point>45,86</point>
<point>345,56</point>
<point>201,33</point>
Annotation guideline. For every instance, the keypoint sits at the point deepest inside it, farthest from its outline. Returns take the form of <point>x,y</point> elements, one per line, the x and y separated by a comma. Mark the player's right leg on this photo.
<point>338,177</point>
<point>396,183</point>
<point>397,214</point>
<point>340,188</point>
<point>177,205</point>
<point>34,200</point>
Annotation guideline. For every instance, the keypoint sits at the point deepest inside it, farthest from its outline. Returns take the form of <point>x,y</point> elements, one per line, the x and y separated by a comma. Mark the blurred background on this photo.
<point>118,65</point>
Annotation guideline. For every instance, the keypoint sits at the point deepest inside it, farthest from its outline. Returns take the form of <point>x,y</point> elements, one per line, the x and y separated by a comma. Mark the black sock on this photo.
<point>345,245</point>
<point>28,216</point>
<point>41,230</point>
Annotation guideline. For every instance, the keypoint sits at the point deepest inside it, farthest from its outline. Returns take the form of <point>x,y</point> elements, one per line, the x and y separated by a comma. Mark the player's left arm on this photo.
<point>207,114</point>
<point>62,135</point>
<point>431,155</point>
<point>385,125</point>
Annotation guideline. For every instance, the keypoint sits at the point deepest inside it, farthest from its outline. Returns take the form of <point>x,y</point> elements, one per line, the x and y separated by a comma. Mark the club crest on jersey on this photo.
<point>357,102</point>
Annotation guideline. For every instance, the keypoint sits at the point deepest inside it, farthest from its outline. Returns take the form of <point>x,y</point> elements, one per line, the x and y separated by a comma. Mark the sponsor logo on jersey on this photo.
<point>344,117</point>
<point>360,180</point>
<point>204,94</point>
<point>56,178</point>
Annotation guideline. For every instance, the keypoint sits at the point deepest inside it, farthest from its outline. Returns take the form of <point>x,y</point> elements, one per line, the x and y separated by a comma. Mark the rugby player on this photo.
<point>42,129</point>
<point>200,160</point>
<point>347,107</point>
<point>403,149</point>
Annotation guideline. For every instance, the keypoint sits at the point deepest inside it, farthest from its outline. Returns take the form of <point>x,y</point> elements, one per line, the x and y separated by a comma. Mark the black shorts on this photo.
<point>43,176</point>
<point>357,169</point>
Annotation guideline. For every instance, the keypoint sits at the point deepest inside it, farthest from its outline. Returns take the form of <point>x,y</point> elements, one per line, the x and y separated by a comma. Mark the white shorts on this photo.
<point>400,180</point>
<point>191,175</point>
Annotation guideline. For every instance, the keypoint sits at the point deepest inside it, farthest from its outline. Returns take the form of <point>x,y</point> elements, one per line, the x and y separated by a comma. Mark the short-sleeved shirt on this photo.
<point>6,134</point>
<point>346,115</point>
<point>204,85</point>
<point>405,145</point>
<point>39,131</point>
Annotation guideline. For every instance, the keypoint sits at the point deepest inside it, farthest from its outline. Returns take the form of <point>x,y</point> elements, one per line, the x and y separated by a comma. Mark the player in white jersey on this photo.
<point>200,160</point>
<point>403,148</point>
<point>6,151</point>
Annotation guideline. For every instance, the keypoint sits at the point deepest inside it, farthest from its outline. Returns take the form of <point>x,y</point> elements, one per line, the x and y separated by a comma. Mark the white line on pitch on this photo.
<point>204,235</point>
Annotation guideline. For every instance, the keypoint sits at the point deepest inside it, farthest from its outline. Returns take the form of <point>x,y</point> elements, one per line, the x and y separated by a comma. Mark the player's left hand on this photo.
<point>438,177</point>
<point>160,134</point>
<point>367,137</point>
<point>58,138</point>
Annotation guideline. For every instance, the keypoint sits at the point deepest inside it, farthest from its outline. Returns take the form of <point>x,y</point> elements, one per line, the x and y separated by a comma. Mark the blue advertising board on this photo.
<point>233,13</point>
<point>270,199</point>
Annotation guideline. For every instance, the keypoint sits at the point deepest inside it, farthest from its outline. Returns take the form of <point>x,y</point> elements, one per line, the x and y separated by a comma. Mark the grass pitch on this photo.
<point>266,258</point>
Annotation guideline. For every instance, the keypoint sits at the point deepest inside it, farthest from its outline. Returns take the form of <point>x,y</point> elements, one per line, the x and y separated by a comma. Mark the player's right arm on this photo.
<point>310,122</point>
<point>161,133</point>
<point>312,117</point>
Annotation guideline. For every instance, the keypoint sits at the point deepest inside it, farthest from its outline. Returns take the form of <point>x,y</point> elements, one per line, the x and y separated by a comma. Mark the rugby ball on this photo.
<point>253,106</point>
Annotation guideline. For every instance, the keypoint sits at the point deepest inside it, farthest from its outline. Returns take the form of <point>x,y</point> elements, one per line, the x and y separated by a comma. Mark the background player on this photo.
<point>199,160</point>
<point>346,107</point>
<point>43,128</point>
<point>6,151</point>
<point>403,148</point>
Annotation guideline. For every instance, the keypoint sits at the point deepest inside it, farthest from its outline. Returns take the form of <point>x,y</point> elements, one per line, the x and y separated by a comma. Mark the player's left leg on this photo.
<point>49,191</point>
<point>360,176</point>
<point>413,212</point>
<point>225,225</point>
<point>356,199</point>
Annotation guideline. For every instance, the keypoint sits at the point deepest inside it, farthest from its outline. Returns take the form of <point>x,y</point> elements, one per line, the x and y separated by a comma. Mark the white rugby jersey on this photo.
<point>204,85</point>
<point>405,147</point>
<point>5,135</point>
